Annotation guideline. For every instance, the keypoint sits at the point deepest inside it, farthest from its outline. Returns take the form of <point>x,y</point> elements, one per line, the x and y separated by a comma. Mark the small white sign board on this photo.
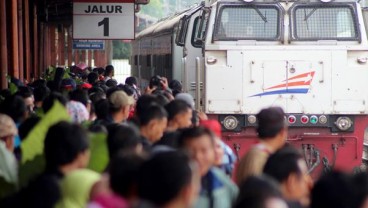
<point>94,19</point>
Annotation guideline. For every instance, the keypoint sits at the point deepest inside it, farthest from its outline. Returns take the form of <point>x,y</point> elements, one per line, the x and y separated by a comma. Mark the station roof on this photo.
<point>55,11</point>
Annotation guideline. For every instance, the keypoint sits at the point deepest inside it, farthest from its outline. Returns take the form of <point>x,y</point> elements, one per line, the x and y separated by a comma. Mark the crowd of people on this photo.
<point>161,151</point>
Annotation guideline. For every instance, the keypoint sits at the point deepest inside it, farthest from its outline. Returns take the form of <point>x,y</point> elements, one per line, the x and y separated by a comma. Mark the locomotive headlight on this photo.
<point>230,122</point>
<point>322,119</point>
<point>343,123</point>
<point>252,119</point>
<point>313,119</point>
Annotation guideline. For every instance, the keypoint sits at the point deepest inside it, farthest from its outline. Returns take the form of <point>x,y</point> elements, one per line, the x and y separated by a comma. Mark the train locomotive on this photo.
<point>236,57</point>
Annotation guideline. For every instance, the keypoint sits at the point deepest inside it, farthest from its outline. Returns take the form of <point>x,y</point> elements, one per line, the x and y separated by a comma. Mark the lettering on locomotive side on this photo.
<point>103,9</point>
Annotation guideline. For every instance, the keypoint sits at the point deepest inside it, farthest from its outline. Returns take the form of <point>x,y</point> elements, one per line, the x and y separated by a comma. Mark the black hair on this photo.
<point>97,95</point>
<point>151,113</point>
<point>176,85</point>
<point>176,107</point>
<point>59,74</point>
<point>102,108</point>
<point>92,78</point>
<point>131,81</point>
<point>255,190</point>
<point>127,89</point>
<point>144,102</point>
<point>270,122</point>
<point>360,185</point>
<point>99,70</point>
<point>63,143</point>
<point>111,83</point>
<point>15,107</point>
<point>175,92</point>
<point>332,190</point>
<point>40,93</point>
<point>94,90</point>
<point>27,126</point>
<point>16,81</point>
<point>49,101</point>
<point>194,133</point>
<point>5,93</point>
<point>161,98</point>
<point>123,170</point>
<point>39,83</point>
<point>24,92</point>
<point>102,85</point>
<point>111,90</point>
<point>283,163</point>
<point>97,128</point>
<point>108,70</point>
<point>79,95</point>
<point>121,137</point>
<point>163,176</point>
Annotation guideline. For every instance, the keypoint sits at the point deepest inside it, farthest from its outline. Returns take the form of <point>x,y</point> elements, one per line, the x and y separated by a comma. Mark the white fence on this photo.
<point>122,69</point>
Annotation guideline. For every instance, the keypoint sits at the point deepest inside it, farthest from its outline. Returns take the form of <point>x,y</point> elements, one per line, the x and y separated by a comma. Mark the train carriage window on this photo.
<point>135,60</point>
<point>325,22</point>
<point>249,22</point>
<point>196,42</point>
<point>181,32</point>
<point>154,60</point>
<point>200,29</point>
<point>168,62</point>
<point>148,57</point>
<point>141,60</point>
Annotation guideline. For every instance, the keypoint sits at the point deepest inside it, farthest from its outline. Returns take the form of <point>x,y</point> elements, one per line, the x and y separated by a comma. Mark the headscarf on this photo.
<point>76,188</point>
<point>8,163</point>
<point>77,111</point>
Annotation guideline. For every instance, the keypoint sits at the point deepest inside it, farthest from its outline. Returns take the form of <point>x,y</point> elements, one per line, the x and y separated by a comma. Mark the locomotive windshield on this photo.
<point>322,22</point>
<point>248,22</point>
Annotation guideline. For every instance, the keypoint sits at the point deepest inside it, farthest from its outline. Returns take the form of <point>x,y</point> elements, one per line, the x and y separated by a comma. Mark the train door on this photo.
<point>185,37</point>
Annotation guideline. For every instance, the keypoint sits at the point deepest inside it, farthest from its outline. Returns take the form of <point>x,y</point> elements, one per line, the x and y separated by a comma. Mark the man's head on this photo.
<point>271,125</point>
<point>124,171</point>
<point>120,103</point>
<point>81,96</point>
<point>66,144</point>
<point>169,178</point>
<point>122,138</point>
<point>288,167</point>
<point>27,94</point>
<point>259,192</point>
<point>335,189</point>
<point>40,94</point>
<point>92,78</point>
<point>153,122</point>
<point>15,107</point>
<point>49,101</point>
<point>109,71</point>
<point>111,83</point>
<point>180,114</point>
<point>144,102</point>
<point>131,81</point>
<point>200,144</point>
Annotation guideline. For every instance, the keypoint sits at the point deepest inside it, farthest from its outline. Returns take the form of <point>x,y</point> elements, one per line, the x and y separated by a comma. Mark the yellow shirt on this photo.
<point>252,163</point>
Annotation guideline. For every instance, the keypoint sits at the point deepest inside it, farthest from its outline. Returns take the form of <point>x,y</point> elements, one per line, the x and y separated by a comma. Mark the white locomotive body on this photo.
<point>310,58</point>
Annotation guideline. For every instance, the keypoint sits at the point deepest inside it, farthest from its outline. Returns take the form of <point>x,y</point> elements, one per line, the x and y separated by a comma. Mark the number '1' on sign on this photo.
<point>105,23</point>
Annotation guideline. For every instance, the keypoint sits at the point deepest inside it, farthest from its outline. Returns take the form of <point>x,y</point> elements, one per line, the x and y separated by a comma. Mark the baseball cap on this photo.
<point>120,98</point>
<point>68,84</point>
<point>212,125</point>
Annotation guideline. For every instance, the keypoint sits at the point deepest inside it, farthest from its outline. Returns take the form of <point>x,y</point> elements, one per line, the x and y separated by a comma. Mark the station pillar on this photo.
<point>3,43</point>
